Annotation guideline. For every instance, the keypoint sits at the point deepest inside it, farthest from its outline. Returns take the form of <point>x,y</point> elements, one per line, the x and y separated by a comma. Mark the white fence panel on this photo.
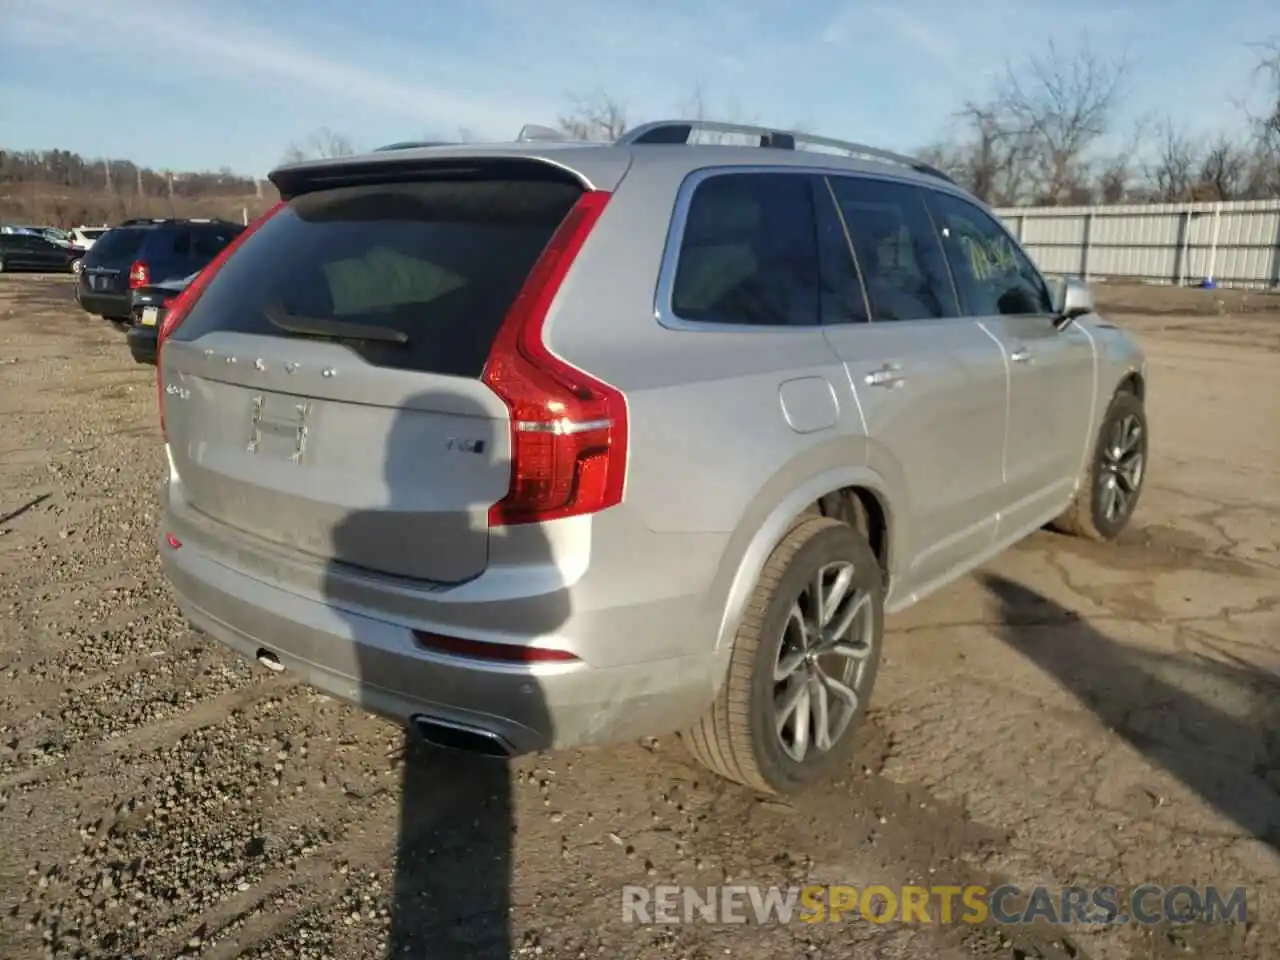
<point>1235,244</point>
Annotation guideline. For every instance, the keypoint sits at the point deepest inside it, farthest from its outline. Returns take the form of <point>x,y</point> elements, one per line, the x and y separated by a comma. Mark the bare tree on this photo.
<point>596,117</point>
<point>697,106</point>
<point>1059,106</point>
<point>1265,174</point>
<point>983,152</point>
<point>1223,173</point>
<point>1119,173</point>
<point>321,145</point>
<point>1173,170</point>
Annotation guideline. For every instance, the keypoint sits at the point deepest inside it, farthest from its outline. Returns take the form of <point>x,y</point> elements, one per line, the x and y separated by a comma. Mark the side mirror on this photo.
<point>1073,299</point>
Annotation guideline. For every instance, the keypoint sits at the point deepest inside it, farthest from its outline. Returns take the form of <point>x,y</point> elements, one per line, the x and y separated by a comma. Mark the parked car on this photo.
<point>28,251</point>
<point>143,252</point>
<point>150,305</point>
<point>84,237</point>
<point>536,445</point>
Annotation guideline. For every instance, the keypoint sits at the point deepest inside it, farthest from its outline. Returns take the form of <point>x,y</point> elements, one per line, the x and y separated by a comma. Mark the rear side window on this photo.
<point>749,254</point>
<point>440,262</point>
<point>120,243</point>
<point>92,234</point>
<point>993,275</point>
<point>178,243</point>
<point>208,242</point>
<point>901,262</point>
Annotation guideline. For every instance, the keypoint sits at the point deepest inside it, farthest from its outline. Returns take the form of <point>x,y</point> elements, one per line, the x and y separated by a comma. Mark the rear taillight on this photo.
<point>568,429</point>
<point>139,275</point>
<point>181,305</point>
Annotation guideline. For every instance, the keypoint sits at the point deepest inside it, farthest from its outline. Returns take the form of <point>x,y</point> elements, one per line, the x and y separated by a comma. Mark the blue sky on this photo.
<point>200,85</point>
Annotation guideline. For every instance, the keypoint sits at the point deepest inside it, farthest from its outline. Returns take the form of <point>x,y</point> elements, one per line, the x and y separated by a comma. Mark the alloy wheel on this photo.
<point>822,658</point>
<point>1123,462</point>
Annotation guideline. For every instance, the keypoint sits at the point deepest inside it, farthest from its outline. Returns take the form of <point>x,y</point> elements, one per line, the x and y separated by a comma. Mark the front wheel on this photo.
<point>1112,485</point>
<point>803,665</point>
<point>77,266</point>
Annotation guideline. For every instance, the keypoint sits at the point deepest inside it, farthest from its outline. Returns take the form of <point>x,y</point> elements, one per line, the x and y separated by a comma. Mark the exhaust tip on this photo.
<point>461,738</point>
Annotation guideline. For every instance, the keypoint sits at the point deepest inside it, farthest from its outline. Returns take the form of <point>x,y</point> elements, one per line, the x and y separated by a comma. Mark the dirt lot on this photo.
<point>1073,714</point>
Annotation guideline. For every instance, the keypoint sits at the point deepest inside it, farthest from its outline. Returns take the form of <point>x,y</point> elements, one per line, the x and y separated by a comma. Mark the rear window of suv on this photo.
<point>118,244</point>
<point>440,262</point>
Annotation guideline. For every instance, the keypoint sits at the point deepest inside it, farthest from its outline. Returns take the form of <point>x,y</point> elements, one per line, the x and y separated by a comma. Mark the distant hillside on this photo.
<point>60,188</point>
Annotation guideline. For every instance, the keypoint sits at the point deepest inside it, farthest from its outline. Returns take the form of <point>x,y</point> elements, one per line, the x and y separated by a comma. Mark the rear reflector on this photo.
<point>501,652</point>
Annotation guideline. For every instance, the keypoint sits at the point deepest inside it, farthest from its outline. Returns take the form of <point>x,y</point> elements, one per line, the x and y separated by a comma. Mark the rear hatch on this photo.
<point>323,393</point>
<point>106,265</point>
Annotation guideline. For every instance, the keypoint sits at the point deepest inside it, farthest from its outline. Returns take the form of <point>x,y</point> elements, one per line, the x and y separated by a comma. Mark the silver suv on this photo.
<point>542,444</point>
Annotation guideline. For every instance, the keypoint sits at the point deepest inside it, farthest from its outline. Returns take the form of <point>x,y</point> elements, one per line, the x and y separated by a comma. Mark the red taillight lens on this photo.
<point>139,275</point>
<point>182,304</point>
<point>568,429</point>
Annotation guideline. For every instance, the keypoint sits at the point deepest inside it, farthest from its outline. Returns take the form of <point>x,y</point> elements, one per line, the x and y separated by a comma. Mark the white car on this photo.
<point>84,237</point>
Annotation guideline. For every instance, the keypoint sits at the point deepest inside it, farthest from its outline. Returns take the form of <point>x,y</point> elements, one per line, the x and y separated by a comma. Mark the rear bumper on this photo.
<point>376,664</point>
<point>104,305</point>
<point>142,343</point>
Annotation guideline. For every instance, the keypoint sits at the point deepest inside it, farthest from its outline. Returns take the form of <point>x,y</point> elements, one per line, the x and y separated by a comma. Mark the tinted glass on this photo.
<point>898,254</point>
<point>207,242</point>
<point>92,234</point>
<point>749,254</point>
<point>842,295</point>
<point>119,244</point>
<point>178,243</point>
<point>441,262</point>
<point>992,274</point>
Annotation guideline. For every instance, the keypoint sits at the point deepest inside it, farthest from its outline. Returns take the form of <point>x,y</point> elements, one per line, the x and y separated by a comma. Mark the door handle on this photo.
<point>1021,355</point>
<point>890,375</point>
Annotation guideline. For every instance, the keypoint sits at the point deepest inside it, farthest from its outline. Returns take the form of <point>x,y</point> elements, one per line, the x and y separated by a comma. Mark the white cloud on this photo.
<point>179,34</point>
<point>916,31</point>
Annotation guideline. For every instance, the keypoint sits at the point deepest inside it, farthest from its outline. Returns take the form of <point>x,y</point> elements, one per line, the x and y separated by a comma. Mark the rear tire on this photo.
<point>780,657</point>
<point>1118,465</point>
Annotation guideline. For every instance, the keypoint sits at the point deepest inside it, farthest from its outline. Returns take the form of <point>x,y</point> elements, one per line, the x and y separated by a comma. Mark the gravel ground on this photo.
<point>1071,714</point>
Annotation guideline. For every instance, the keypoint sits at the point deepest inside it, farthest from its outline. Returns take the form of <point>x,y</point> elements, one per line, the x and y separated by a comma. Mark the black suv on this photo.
<point>141,253</point>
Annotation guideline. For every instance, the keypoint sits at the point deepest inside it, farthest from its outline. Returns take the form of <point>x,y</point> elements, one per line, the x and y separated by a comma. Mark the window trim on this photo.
<point>663,308</point>
<point>1004,228</point>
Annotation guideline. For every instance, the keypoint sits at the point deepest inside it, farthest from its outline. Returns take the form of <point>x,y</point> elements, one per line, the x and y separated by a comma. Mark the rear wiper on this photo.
<point>328,327</point>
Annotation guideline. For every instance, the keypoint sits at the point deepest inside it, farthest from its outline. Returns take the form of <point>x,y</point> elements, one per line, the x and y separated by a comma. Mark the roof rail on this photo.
<point>536,131</point>
<point>141,221</point>
<point>413,144</point>
<point>679,132</point>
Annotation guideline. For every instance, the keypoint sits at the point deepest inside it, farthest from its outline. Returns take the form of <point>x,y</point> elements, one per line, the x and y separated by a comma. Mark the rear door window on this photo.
<point>901,262</point>
<point>440,262</point>
<point>119,244</point>
<point>749,254</point>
